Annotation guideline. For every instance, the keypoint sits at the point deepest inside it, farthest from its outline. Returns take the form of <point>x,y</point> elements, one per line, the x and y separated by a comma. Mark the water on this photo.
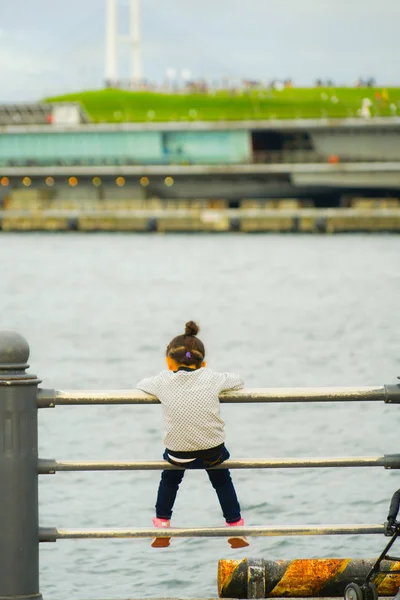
<point>98,311</point>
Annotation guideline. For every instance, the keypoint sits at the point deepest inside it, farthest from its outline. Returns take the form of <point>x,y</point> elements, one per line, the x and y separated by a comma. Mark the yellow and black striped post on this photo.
<point>302,578</point>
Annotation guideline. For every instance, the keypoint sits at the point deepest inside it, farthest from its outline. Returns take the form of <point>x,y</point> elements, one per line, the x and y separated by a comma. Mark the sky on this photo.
<point>56,46</point>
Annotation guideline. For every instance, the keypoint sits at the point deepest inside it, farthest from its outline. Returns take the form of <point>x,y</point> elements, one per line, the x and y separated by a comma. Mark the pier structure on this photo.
<point>303,176</point>
<point>20,468</point>
<point>322,161</point>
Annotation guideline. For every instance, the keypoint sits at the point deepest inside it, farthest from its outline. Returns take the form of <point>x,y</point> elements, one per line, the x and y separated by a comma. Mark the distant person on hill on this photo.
<point>365,110</point>
<point>385,97</point>
<point>194,431</point>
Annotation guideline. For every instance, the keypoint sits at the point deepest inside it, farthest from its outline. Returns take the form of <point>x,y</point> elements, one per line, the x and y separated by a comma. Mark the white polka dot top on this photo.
<point>191,406</point>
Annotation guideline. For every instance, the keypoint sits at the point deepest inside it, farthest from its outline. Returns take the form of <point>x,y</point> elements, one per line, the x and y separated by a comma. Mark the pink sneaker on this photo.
<point>164,541</point>
<point>237,541</point>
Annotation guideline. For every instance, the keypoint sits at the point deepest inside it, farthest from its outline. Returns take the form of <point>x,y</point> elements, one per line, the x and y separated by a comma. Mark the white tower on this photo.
<point>111,42</point>
<point>133,40</point>
<point>137,74</point>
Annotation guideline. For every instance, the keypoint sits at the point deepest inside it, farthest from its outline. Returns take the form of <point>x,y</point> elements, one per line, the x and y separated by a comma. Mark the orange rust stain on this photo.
<point>388,584</point>
<point>306,577</point>
<point>226,569</point>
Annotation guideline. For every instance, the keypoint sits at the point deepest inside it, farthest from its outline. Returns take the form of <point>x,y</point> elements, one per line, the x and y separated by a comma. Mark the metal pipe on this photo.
<point>381,167</point>
<point>19,527</point>
<point>53,534</point>
<point>305,578</point>
<point>50,466</point>
<point>262,124</point>
<point>50,398</point>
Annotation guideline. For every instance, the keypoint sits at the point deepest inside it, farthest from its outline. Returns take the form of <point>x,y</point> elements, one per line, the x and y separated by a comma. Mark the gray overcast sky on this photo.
<point>54,46</point>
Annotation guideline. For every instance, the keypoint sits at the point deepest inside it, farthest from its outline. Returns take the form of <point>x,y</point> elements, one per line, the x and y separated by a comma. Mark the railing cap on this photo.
<point>14,351</point>
<point>14,354</point>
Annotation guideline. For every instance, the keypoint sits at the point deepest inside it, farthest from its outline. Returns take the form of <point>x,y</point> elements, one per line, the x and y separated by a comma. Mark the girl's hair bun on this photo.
<point>191,328</point>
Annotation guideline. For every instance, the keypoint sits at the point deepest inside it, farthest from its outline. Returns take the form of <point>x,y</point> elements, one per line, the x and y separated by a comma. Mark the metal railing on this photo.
<point>312,156</point>
<point>389,394</point>
<point>20,466</point>
<point>273,157</point>
<point>389,461</point>
<point>53,534</point>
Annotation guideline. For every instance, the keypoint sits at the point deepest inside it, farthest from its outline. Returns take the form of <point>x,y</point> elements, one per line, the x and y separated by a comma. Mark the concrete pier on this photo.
<point>252,220</point>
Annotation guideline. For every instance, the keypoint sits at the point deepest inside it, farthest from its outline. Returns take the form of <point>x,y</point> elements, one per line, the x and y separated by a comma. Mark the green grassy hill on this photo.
<point>113,105</point>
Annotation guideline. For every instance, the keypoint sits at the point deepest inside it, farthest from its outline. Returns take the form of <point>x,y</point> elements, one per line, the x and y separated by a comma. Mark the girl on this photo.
<point>194,430</point>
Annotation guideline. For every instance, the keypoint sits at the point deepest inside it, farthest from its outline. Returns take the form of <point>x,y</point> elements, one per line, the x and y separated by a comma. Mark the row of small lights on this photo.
<point>96,181</point>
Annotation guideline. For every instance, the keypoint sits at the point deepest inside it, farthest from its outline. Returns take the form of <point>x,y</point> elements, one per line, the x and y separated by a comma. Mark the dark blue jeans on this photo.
<point>220,480</point>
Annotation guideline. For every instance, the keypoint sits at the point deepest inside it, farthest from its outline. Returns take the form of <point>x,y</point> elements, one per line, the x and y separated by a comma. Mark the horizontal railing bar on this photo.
<point>390,461</point>
<point>386,393</point>
<point>54,534</point>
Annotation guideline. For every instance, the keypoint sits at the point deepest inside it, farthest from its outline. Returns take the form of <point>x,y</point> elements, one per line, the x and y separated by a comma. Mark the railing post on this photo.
<point>19,521</point>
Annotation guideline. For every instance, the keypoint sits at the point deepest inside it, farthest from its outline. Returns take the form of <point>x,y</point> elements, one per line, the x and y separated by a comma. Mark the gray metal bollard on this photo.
<point>19,520</point>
